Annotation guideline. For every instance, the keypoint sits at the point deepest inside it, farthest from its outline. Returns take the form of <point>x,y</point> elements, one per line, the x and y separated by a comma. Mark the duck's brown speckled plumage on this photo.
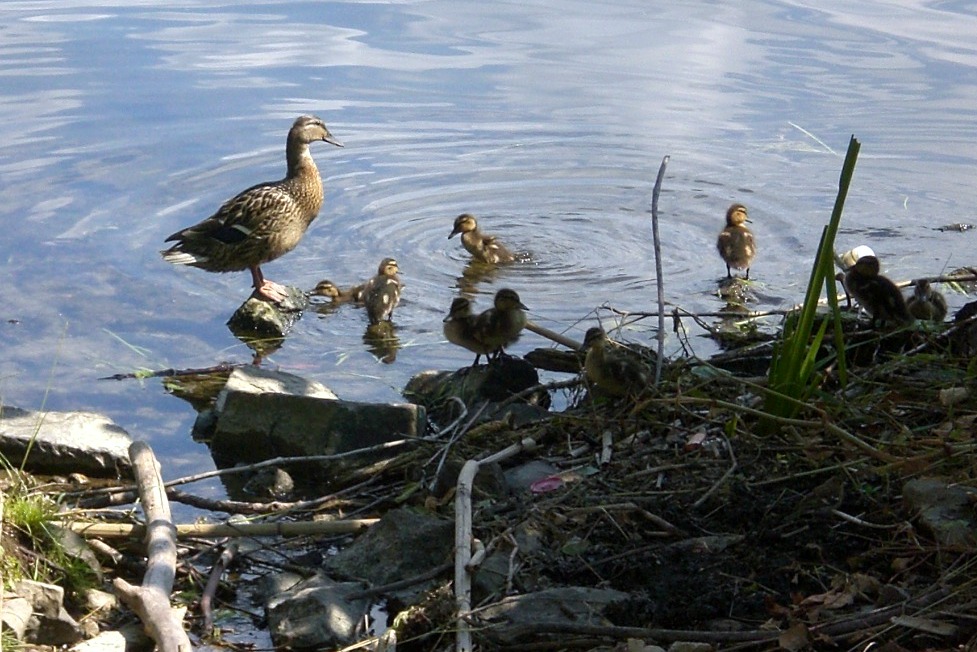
<point>459,329</point>
<point>502,324</point>
<point>483,248</point>
<point>263,222</point>
<point>735,243</point>
<point>381,294</point>
<point>876,294</point>
<point>614,372</point>
<point>926,303</point>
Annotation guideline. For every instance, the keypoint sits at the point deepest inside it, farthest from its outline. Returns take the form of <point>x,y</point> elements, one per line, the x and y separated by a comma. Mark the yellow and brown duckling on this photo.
<point>331,291</point>
<point>483,248</point>
<point>614,372</point>
<point>263,222</point>
<point>876,294</point>
<point>735,243</point>
<point>501,325</point>
<point>381,294</point>
<point>926,303</point>
<point>459,329</point>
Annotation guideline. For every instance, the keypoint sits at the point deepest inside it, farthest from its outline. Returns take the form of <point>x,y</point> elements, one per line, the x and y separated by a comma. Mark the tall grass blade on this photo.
<point>793,370</point>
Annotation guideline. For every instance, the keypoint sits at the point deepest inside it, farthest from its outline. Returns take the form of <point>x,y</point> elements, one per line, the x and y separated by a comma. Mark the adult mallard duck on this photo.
<point>483,248</point>
<point>330,290</point>
<point>263,222</point>
<point>502,324</point>
<point>877,294</point>
<point>926,303</point>
<point>381,294</point>
<point>735,242</point>
<point>613,371</point>
<point>459,329</point>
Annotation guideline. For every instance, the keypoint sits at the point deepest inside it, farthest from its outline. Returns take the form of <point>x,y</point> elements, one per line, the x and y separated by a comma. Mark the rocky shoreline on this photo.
<point>675,521</point>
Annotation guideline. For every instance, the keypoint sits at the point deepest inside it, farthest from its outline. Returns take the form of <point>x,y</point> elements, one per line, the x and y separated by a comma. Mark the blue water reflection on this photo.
<point>122,122</point>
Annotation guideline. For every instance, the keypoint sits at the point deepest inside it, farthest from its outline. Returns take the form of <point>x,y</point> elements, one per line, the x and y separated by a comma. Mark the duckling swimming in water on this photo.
<point>263,222</point>
<point>614,372</point>
<point>926,303</point>
<point>735,242</point>
<point>877,294</point>
<point>459,329</point>
<point>381,294</point>
<point>483,248</point>
<point>330,290</point>
<point>501,325</point>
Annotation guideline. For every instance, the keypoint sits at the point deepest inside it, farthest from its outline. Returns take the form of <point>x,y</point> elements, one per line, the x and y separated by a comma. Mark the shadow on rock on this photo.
<point>492,384</point>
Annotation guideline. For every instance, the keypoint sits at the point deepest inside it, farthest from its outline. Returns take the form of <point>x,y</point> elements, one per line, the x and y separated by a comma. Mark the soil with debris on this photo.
<point>723,523</point>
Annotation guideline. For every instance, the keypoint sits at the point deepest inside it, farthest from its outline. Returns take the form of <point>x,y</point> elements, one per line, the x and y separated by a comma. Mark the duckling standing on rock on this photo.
<point>735,243</point>
<point>459,329</point>
<point>381,294</point>
<point>483,248</point>
<point>263,222</point>
<point>614,372</point>
<point>328,289</point>
<point>877,294</point>
<point>501,325</point>
<point>926,303</point>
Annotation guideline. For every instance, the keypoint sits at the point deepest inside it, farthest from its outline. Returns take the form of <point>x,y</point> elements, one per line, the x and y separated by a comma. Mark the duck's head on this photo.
<point>866,267</point>
<point>325,288</point>
<point>922,289</point>
<point>388,267</point>
<point>309,128</point>
<point>736,215</point>
<point>460,309</point>
<point>506,299</point>
<point>592,336</point>
<point>463,224</point>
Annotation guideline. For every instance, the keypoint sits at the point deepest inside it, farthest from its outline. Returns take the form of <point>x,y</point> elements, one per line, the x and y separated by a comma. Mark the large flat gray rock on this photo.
<point>65,442</point>
<point>262,415</point>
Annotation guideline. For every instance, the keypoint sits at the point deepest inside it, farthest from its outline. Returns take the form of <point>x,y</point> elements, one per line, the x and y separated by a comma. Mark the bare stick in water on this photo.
<point>658,269</point>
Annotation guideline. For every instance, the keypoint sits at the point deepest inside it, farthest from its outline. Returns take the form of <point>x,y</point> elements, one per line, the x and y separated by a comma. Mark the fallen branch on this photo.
<point>554,336</point>
<point>213,581</point>
<point>186,530</point>
<point>151,601</point>
<point>463,538</point>
<point>250,468</point>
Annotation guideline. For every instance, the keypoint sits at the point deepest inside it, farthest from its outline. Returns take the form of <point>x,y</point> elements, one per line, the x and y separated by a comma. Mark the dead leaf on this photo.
<point>794,638</point>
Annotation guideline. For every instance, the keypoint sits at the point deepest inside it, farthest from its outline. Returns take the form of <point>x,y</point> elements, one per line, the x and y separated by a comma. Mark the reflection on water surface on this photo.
<point>122,122</point>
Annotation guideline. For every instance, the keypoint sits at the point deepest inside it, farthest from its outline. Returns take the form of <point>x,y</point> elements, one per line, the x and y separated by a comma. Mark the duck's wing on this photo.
<point>241,217</point>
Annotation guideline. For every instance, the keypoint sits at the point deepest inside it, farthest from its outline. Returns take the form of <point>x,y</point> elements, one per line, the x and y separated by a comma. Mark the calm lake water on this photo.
<point>123,122</point>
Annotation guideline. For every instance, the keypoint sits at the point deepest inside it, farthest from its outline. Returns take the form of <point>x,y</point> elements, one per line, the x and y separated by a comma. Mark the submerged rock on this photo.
<point>65,442</point>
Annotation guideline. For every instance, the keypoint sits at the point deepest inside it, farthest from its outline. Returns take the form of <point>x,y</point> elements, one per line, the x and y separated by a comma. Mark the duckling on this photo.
<point>612,370</point>
<point>877,294</point>
<point>735,243</point>
<point>483,248</point>
<point>926,303</point>
<point>330,290</point>
<point>263,222</point>
<point>501,325</point>
<point>459,329</point>
<point>381,294</point>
